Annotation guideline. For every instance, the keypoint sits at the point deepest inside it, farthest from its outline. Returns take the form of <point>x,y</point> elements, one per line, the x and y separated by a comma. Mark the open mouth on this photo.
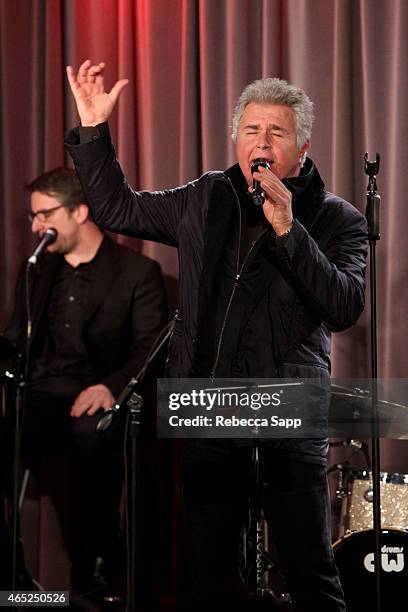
<point>260,161</point>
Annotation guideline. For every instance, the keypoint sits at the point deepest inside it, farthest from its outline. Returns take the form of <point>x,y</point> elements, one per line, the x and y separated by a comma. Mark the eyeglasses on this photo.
<point>43,215</point>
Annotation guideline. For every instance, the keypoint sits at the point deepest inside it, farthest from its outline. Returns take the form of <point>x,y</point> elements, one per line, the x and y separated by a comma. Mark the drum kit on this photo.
<point>354,550</point>
<point>355,544</point>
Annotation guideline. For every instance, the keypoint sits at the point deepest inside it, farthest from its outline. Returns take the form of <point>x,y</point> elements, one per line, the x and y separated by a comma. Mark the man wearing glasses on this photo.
<point>96,309</point>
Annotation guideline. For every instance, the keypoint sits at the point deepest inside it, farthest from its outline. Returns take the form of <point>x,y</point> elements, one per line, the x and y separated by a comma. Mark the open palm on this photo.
<point>94,104</point>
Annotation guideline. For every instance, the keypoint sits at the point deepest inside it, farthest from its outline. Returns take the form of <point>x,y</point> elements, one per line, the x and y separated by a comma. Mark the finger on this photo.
<point>72,79</point>
<point>94,71</point>
<point>261,177</point>
<point>100,76</point>
<point>263,173</point>
<point>97,68</point>
<point>279,194</point>
<point>272,182</point>
<point>74,408</point>
<point>269,188</point>
<point>78,410</point>
<point>83,70</point>
<point>270,200</point>
<point>93,409</point>
<point>266,173</point>
<point>262,169</point>
<point>94,406</point>
<point>117,89</point>
<point>80,405</point>
<point>107,403</point>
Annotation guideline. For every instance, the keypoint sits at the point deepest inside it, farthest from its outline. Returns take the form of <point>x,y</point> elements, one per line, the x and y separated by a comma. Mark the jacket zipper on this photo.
<point>236,281</point>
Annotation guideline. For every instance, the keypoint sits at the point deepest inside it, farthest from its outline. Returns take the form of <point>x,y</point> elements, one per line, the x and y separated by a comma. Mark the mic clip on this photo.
<point>48,238</point>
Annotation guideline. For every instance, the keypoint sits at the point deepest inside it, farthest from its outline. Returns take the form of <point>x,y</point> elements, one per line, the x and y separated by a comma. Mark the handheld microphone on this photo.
<point>48,238</point>
<point>258,194</point>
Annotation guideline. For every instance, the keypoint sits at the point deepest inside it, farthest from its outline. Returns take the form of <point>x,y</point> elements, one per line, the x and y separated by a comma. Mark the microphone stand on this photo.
<point>131,397</point>
<point>10,375</point>
<point>20,382</point>
<point>371,168</point>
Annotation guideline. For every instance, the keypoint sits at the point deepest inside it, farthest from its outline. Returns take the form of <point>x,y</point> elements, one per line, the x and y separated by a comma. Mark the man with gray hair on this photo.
<point>261,289</point>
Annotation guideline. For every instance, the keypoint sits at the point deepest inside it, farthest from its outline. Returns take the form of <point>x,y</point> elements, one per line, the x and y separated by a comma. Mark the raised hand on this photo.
<point>94,104</point>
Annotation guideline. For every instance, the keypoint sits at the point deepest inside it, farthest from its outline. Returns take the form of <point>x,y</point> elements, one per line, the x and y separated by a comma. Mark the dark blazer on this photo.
<point>126,313</point>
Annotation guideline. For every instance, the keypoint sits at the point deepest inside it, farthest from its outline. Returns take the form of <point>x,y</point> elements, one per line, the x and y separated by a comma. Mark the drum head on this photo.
<point>354,555</point>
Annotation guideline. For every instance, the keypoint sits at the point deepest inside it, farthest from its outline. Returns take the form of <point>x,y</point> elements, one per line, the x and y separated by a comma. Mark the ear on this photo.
<point>302,153</point>
<point>81,214</point>
<point>304,150</point>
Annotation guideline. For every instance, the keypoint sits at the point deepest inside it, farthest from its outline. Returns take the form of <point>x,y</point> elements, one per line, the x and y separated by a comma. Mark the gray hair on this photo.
<point>277,91</point>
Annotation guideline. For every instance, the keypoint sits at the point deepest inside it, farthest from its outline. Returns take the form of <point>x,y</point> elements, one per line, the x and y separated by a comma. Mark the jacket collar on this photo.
<point>307,189</point>
<point>308,183</point>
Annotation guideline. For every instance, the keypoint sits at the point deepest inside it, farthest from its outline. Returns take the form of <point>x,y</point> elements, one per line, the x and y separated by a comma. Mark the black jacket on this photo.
<point>127,311</point>
<point>312,283</point>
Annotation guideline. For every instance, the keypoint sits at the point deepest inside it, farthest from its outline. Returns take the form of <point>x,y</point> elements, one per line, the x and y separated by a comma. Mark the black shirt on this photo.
<point>62,364</point>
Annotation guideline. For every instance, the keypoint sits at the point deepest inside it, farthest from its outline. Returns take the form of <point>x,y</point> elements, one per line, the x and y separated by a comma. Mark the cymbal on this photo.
<point>352,410</point>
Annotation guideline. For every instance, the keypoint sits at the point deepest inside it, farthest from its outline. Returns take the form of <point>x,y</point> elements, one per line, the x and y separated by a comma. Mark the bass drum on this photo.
<point>354,555</point>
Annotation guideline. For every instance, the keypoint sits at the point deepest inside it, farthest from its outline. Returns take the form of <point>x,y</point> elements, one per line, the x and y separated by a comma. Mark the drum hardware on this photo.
<point>344,469</point>
<point>260,577</point>
<point>354,556</point>
<point>259,562</point>
<point>356,445</point>
<point>341,491</point>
